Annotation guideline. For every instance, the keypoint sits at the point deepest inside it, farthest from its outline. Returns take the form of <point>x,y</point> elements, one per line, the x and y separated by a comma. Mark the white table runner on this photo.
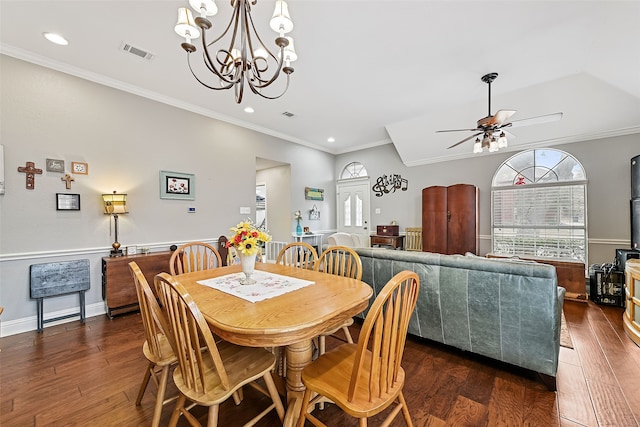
<point>268,285</point>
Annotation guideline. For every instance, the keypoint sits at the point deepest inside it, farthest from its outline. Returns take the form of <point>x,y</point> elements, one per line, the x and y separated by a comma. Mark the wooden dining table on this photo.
<point>292,319</point>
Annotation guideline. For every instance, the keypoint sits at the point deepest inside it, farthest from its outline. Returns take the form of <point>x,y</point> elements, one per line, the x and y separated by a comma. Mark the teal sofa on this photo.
<point>502,309</point>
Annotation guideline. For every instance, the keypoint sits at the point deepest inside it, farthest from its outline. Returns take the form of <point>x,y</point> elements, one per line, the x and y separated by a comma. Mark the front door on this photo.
<point>353,208</point>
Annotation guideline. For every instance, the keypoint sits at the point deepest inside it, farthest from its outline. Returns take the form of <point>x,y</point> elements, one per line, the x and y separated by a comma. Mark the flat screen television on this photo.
<point>622,255</point>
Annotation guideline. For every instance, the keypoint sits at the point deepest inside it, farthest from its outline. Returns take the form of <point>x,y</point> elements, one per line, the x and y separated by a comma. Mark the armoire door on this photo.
<point>462,233</point>
<point>434,219</point>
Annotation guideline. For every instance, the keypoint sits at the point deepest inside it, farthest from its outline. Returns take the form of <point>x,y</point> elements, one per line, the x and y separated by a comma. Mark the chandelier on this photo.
<point>240,56</point>
<point>491,141</point>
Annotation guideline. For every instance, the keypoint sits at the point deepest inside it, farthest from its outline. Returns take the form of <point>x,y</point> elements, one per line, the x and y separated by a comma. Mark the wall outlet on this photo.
<point>377,210</point>
<point>192,210</point>
<point>245,210</point>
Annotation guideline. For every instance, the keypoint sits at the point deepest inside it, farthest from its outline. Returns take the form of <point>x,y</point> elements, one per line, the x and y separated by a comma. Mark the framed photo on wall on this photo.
<point>177,185</point>
<point>313,193</point>
<point>67,202</point>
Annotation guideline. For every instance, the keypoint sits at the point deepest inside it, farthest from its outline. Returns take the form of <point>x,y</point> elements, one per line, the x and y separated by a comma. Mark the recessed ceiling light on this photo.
<point>248,110</point>
<point>331,139</point>
<point>56,38</point>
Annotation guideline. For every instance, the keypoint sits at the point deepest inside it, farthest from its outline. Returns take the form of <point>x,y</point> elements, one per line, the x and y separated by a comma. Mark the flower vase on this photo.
<point>248,264</point>
<point>299,229</point>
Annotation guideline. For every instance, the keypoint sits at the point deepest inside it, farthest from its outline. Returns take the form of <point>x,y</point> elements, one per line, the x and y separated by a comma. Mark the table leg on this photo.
<point>298,356</point>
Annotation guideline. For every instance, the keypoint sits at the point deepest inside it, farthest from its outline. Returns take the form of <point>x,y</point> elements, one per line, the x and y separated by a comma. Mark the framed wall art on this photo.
<point>80,167</point>
<point>55,165</point>
<point>314,213</point>
<point>67,202</point>
<point>177,185</point>
<point>313,193</point>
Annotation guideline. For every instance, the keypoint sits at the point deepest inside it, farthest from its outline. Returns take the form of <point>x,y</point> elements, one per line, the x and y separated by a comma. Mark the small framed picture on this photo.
<point>80,167</point>
<point>176,185</point>
<point>55,165</point>
<point>314,214</point>
<point>313,193</point>
<point>67,202</point>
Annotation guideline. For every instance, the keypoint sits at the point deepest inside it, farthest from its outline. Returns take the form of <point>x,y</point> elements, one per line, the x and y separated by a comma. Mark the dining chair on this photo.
<point>223,250</point>
<point>157,347</point>
<point>194,256</point>
<point>298,254</point>
<point>413,238</point>
<point>366,378</point>
<point>208,373</point>
<point>340,261</point>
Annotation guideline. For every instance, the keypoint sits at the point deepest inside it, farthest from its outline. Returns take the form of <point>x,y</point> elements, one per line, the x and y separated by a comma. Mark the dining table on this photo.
<point>291,319</point>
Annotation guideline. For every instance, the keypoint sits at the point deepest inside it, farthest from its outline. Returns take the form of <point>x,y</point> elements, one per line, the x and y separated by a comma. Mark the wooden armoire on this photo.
<point>450,219</point>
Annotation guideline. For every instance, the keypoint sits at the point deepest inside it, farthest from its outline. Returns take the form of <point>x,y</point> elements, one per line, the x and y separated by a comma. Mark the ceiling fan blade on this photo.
<point>458,130</point>
<point>501,116</point>
<point>466,139</point>
<point>537,120</point>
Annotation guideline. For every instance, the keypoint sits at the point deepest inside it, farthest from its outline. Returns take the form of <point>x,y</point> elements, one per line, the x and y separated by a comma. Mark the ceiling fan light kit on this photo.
<point>491,127</point>
<point>241,58</point>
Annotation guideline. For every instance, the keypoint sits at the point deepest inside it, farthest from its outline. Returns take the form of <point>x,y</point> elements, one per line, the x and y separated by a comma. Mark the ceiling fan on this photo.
<point>492,127</point>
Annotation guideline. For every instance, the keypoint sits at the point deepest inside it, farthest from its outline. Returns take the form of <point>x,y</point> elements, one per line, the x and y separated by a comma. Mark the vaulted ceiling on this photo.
<point>372,72</point>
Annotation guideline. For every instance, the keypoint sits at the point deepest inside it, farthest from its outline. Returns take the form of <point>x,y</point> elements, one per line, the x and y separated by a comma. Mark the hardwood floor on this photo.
<point>89,374</point>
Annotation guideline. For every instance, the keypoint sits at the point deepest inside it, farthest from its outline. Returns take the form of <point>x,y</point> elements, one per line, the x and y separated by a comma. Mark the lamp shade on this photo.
<point>185,27</point>
<point>281,21</point>
<point>205,7</point>
<point>290,52</point>
<point>115,203</point>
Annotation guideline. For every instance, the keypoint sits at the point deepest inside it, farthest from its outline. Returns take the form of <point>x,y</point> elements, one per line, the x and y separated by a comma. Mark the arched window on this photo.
<point>538,204</point>
<point>354,170</point>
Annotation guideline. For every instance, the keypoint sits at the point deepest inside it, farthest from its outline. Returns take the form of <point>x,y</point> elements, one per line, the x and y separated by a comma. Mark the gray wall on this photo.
<point>126,140</point>
<point>606,161</point>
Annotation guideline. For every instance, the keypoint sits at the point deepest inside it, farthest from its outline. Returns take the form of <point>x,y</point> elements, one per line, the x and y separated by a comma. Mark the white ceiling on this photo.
<point>372,72</point>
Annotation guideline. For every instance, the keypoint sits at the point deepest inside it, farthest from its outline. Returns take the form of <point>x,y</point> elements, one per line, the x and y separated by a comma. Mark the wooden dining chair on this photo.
<point>340,261</point>
<point>298,254</point>
<point>366,378</point>
<point>223,250</point>
<point>208,373</point>
<point>157,347</point>
<point>413,239</point>
<point>194,256</point>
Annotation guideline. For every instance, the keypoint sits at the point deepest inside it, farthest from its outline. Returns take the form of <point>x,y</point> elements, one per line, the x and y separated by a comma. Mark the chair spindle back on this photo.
<point>340,261</point>
<point>298,254</point>
<point>194,256</point>
<point>383,335</point>
<point>191,335</point>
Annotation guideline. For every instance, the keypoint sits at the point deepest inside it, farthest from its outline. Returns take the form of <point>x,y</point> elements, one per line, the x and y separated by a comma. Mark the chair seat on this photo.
<point>243,365</point>
<point>330,376</point>
<point>165,349</point>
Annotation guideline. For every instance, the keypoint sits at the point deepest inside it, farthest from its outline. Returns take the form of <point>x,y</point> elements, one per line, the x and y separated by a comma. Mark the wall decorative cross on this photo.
<point>69,179</point>
<point>30,170</point>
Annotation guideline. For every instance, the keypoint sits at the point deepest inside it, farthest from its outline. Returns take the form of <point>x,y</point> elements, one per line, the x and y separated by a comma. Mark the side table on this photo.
<point>397,242</point>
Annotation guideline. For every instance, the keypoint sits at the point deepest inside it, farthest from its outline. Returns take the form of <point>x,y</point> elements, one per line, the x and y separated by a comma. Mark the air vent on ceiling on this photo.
<point>137,51</point>
<point>288,114</point>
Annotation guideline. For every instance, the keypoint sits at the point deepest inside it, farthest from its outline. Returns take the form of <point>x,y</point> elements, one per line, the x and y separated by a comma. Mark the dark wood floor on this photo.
<point>89,374</point>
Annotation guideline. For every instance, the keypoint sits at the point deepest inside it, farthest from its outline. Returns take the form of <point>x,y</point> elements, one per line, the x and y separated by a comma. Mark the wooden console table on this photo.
<point>571,275</point>
<point>396,241</point>
<point>118,289</point>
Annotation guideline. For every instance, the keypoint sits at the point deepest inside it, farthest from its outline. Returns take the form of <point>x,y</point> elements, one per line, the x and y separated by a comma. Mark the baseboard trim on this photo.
<point>26,324</point>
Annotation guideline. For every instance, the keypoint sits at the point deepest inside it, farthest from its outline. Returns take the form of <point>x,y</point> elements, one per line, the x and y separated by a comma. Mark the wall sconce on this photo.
<point>115,204</point>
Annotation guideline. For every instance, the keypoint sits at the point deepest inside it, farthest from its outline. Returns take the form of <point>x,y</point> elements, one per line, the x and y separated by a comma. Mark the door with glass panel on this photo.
<point>353,208</point>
